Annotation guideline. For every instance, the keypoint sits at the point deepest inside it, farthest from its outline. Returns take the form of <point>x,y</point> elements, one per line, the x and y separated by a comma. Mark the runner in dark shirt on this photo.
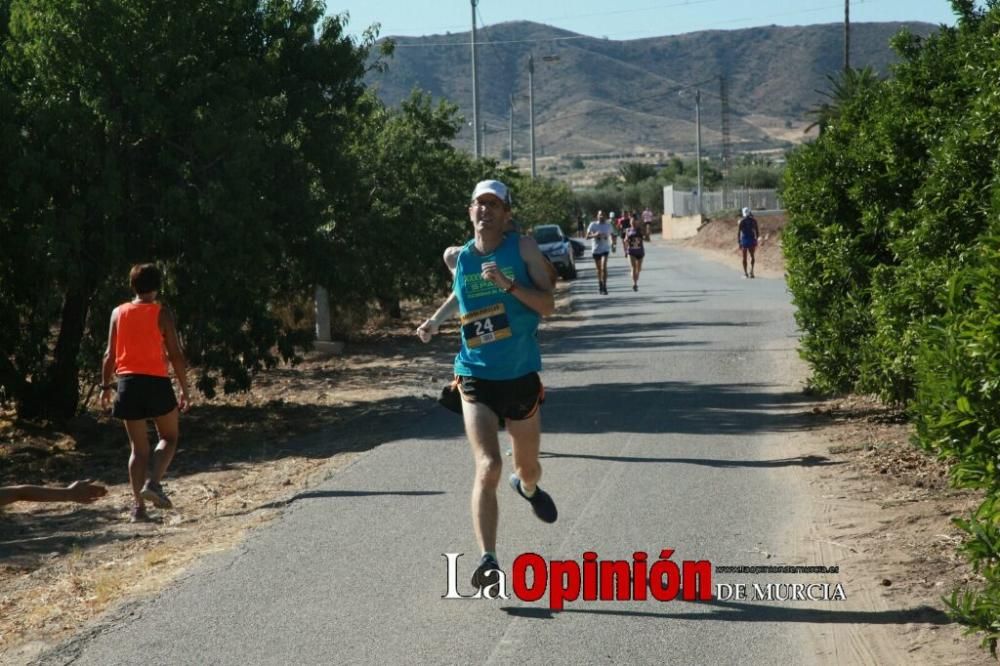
<point>747,234</point>
<point>635,250</point>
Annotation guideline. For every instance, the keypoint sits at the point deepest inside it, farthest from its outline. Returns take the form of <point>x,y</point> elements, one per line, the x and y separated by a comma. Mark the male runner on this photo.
<point>647,223</point>
<point>503,288</point>
<point>747,234</point>
<point>602,237</point>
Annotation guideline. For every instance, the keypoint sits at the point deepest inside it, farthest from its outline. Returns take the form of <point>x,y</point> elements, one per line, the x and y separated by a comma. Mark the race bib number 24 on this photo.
<point>481,327</point>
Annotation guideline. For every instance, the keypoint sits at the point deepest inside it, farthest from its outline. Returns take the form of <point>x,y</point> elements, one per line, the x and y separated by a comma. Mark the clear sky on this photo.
<point>626,19</point>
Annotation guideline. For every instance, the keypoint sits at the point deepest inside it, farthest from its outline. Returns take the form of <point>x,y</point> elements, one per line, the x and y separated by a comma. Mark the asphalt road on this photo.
<point>665,409</point>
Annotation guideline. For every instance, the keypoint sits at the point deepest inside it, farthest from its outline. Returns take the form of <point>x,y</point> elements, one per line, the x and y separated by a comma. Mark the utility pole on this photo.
<point>531,108</point>
<point>475,86</point>
<point>726,143</point>
<point>697,122</point>
<point>847,35</point>
<point>510,132</point>
<point>483,144</point>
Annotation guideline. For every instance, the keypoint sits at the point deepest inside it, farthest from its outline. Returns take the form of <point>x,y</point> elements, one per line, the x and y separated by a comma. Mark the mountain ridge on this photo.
<point>628,96</point>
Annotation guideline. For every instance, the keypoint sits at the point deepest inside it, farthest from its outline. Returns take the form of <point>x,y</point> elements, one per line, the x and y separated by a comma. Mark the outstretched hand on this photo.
<point>184,402</point>
<point>427,330</point>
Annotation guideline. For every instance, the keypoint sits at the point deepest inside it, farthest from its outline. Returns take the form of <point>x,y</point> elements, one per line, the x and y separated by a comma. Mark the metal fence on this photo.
<point>685,203</point>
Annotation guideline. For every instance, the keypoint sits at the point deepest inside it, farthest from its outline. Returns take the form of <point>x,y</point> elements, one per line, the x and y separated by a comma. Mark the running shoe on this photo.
<point>153,492</point>
<point>487,573</point>
<point>541,501</point>
<point>138,515</point>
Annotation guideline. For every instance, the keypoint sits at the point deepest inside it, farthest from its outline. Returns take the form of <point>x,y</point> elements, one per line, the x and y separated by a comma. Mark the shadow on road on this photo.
<point>321,494</point>
<point>797,461</point>
<point>679,407</point>
<point>728,611</point>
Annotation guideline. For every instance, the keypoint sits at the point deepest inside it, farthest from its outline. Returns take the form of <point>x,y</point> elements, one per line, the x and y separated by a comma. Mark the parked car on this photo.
<point>557,248</point>
<point>579,247</point>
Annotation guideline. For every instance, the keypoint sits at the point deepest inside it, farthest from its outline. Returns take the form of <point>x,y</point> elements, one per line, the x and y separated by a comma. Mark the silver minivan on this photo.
<point>556,247</point>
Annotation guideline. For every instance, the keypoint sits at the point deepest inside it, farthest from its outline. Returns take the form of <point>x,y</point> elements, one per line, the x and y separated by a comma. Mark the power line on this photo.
<point>502,60</point>
<point>611,107</point>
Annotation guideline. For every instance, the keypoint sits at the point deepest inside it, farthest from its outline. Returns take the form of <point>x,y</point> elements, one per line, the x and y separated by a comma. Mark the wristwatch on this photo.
<point>513,285</point>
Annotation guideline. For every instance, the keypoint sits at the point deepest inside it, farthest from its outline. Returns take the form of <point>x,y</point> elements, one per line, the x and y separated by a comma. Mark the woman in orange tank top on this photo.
<point>142,341</point>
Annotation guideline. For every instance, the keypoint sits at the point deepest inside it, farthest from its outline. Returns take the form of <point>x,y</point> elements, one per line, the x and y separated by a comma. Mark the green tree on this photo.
<point>207,137</point>
<point>844,87</point>
<point>892,261</point>
<point>416,188</point>
<point>543,201</point>
<point>830,253</point>
<point>633,173</point>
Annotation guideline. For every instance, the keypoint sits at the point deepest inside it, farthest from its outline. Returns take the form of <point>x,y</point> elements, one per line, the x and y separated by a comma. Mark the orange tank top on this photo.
<point>139,342</point>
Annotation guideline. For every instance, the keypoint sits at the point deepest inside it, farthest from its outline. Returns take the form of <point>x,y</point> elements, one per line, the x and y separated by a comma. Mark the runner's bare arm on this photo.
<point>108,365</point>
<point>538,297</point>
<point>78,491</point>
<point>451,257</point>
<point>175,354</point>
<point>449,308</point>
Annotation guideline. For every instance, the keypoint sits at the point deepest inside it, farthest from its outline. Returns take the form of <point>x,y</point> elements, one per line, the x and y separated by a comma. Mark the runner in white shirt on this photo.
<point>647,222</point>
<point>601,235</point>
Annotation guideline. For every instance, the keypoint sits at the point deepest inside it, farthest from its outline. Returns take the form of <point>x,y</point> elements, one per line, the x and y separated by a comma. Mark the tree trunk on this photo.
<point>58,394</point>
<point>392,307</point>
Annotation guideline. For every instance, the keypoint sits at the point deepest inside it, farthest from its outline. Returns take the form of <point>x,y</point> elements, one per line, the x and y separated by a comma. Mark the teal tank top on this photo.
<point>499,333</point>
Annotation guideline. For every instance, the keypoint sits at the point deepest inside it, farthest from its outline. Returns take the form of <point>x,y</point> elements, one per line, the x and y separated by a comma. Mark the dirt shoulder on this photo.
<point>241,459</point>
<point>882,511</point>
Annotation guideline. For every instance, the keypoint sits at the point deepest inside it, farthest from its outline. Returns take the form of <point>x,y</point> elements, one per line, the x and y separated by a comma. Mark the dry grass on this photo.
<point>241,458</point>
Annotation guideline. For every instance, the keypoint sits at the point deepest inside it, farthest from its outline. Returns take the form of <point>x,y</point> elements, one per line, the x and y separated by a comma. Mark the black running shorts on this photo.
<point>514,399</point>
<point>143,397</point>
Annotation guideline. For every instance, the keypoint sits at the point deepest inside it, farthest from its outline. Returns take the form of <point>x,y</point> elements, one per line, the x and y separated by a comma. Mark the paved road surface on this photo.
<point>664,413</point>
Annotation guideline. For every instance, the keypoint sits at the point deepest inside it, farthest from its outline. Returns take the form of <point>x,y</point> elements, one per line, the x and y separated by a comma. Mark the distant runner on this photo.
<point>623,224</point>
<point>601,235</point>
<point>747,235</point>
<point>635,250</point>
<point>647,223</point>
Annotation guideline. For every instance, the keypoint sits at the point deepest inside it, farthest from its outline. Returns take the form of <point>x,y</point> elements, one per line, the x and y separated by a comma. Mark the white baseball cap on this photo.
<point>746,212</point>
<point>494,187</point>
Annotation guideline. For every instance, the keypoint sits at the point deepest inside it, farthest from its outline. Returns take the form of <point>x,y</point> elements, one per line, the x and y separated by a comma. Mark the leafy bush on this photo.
<point>893,252</point>
<point>828,248</point>
<point>957,412</point>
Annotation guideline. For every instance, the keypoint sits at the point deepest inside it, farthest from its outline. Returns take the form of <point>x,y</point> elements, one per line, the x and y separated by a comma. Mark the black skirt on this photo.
<point>143,397</point>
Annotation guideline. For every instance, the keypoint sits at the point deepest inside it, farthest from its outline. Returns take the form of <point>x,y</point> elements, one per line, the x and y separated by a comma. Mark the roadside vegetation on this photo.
<point>893,257</point>
<point>638,185</point>
<point>235,145</point>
